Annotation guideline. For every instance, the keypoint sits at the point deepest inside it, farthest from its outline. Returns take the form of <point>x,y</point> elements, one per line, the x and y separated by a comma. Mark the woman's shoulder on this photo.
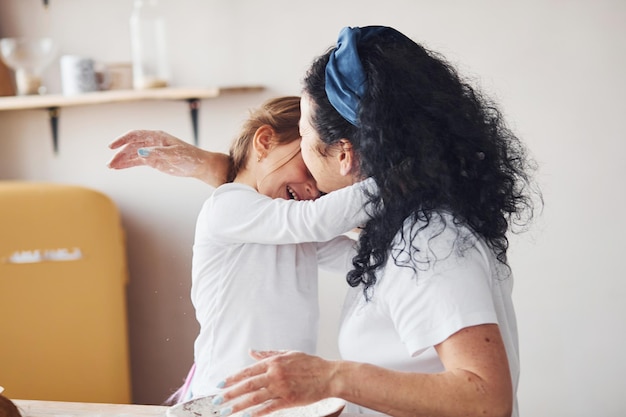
<point>438,227</point>
<point>437,241</point>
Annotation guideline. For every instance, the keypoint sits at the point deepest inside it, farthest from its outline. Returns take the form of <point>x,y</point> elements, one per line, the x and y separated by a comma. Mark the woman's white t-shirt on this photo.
<point>412,310</point>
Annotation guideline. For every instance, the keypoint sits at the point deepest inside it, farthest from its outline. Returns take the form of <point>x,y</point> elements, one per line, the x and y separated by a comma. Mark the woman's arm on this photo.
<point>296,223</point>
<point>476,381</point>
<point>170,155</point>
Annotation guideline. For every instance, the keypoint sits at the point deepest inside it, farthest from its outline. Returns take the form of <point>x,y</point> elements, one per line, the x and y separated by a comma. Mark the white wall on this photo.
<point>556,67</point>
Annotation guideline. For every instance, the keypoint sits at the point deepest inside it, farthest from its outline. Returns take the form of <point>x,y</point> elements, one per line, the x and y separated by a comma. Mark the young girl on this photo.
<point>253,285</point>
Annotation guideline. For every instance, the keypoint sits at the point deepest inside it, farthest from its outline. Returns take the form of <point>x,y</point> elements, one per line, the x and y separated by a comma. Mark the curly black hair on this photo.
<point>432,143</point>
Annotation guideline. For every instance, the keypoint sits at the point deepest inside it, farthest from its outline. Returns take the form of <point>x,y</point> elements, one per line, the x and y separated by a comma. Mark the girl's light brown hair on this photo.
<point>282,114</point>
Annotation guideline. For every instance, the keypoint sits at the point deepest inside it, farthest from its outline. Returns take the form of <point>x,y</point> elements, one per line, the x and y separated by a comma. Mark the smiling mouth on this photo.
<point>292,194</point>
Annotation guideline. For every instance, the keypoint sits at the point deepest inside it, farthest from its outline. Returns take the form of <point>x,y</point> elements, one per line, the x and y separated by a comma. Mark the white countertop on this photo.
<point>34,408</point>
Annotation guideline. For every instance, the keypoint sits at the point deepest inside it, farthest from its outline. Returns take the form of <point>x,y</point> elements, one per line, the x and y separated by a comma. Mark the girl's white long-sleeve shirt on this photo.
<point>254,273</point>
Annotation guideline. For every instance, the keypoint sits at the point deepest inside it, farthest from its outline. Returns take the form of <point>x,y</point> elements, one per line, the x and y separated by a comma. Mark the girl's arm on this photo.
<point>241,221</point>
<point>238,214</point>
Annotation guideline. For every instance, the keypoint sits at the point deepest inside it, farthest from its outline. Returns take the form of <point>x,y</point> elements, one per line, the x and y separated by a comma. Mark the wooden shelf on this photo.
<point>53,102</point>
<point>118,96</point>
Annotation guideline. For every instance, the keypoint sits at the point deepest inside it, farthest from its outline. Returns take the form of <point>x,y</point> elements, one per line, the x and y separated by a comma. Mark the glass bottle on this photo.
<point>148,45</point>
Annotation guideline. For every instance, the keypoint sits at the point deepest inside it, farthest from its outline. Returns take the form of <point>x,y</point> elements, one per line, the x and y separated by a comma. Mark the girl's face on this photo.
<point>284,174</point>
<point>326,169</point>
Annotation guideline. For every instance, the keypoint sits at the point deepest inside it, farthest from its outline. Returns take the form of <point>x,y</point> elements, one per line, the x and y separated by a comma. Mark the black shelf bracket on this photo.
<point>194,105</point>
<point>53,113</point>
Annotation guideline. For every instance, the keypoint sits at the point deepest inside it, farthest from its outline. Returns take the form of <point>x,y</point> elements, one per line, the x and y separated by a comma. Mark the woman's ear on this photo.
<point>346,157</point>
<point>263,141</point>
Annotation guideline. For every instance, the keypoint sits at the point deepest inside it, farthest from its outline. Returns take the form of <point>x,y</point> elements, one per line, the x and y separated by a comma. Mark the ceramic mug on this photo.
<point>80,75</point>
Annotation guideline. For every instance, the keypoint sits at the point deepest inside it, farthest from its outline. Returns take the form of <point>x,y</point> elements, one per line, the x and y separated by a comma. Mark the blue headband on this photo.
<point>345,78</point>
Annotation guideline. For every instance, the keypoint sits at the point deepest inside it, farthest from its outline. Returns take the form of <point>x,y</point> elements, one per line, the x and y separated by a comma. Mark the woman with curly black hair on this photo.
<point>429,328</point>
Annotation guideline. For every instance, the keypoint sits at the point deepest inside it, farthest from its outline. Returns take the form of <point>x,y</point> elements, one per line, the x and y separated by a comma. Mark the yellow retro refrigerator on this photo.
<point>63,276</point>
